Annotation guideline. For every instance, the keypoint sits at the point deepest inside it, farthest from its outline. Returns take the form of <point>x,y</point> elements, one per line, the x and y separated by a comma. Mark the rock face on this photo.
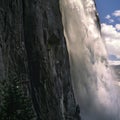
<point>33,46</point>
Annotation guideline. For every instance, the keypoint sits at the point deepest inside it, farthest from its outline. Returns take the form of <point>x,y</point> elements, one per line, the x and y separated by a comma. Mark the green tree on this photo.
<point>15,105</point>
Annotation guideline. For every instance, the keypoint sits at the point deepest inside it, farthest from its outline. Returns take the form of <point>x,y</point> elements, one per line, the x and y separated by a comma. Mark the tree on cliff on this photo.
<point>15,105</point>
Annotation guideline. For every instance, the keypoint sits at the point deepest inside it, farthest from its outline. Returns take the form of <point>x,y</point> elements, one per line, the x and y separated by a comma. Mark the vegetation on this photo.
<point>15,105</point>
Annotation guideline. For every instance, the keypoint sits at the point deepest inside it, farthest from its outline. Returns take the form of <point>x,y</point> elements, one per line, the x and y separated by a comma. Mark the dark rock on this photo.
<point>28,28</point>
<point>77,113</point>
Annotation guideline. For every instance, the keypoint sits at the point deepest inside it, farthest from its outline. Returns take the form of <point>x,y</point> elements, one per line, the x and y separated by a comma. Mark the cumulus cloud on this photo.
<point>116,13</point>
<point>112,38</point>
<point>111,35</point>
<point>111,20</point>
<point>117,26</point>
<point>108,17</point>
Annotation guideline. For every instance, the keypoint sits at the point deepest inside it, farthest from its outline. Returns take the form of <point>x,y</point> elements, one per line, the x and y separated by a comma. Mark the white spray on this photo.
<point>92,80</point>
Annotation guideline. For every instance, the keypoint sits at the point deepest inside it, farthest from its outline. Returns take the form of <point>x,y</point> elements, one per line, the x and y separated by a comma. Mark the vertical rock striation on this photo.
<point>33,46</point>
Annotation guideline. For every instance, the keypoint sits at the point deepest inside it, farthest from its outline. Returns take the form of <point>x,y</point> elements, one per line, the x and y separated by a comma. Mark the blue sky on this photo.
<point>109,14</point>
<point>105,7</point>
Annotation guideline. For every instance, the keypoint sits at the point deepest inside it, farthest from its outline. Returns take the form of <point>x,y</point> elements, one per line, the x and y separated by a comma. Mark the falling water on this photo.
<point>94,85</point>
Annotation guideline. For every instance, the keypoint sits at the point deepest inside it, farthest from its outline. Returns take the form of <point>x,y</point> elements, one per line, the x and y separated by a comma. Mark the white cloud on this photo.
<point>116,13</point>
<point>118,56</point>
<point>117,26</point>
<point>111,20</point>
<point>108,17</point>
<point>112,38</point>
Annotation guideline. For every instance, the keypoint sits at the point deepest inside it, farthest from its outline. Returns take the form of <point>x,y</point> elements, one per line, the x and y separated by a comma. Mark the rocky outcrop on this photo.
<point>33,47</point>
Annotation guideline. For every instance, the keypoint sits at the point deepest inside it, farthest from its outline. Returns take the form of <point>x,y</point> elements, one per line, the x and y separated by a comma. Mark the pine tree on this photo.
<point>15,105</point>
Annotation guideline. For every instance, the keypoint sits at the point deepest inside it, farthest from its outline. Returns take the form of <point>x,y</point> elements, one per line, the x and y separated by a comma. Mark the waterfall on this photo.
<point>94,85</point>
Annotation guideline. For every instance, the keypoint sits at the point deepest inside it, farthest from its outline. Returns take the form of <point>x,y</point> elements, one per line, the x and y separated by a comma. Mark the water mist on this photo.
<point>92,79</point>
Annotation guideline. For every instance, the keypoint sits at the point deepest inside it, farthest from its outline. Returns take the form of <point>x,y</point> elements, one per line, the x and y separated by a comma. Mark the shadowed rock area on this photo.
<point>32,45</point>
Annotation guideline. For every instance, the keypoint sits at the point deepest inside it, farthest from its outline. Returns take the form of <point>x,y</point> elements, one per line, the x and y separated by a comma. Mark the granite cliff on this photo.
<point>32,45</point>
